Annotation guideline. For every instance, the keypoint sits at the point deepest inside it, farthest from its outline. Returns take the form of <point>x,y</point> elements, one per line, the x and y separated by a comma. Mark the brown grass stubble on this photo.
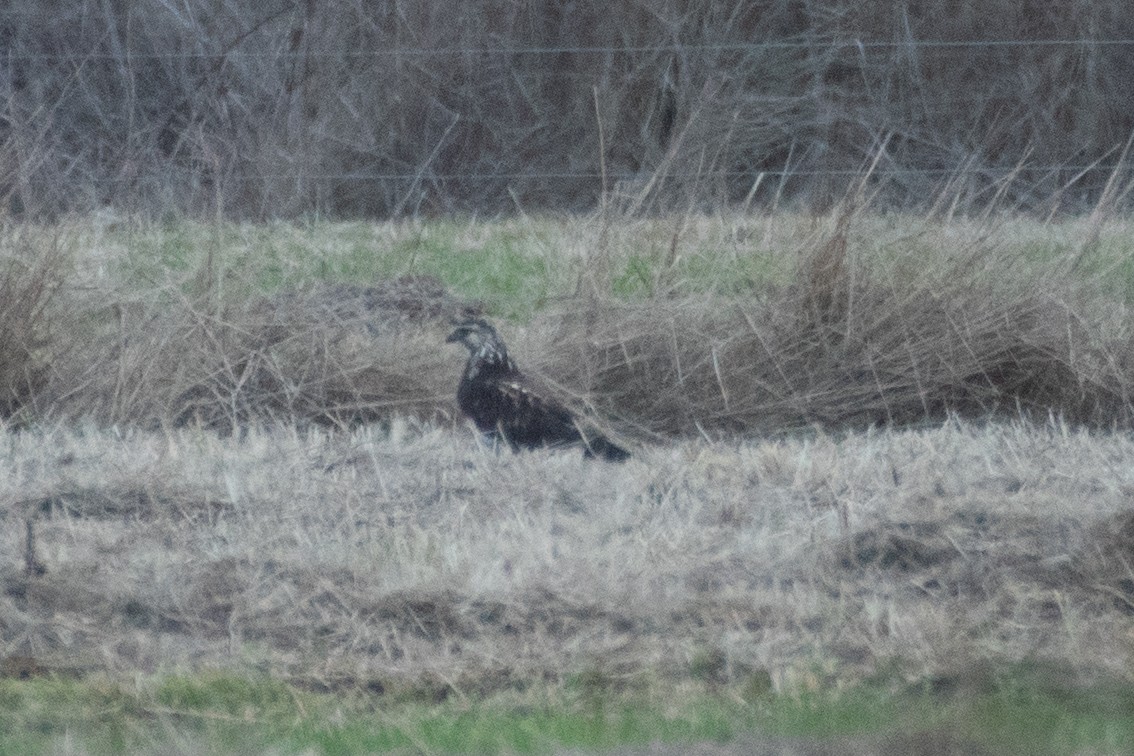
<point>428,566</point>
<point>357,559</point>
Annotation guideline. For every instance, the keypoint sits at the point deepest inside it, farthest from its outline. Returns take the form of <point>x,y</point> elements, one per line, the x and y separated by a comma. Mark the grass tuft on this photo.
<point>33,267</point>
<point>741,325</point>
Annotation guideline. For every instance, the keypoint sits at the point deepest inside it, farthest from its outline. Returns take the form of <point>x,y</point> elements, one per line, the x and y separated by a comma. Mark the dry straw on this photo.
<point>857,334</point>
<point>853,341</point>
<point>367,562</point>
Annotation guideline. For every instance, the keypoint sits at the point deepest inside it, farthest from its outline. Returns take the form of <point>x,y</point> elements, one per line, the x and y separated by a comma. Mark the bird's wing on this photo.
<point>531,419</point>
<point>521,398</point>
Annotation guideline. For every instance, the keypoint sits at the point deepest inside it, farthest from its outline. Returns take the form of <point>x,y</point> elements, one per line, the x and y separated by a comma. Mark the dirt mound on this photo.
<point>1106,561</point>
<point>899,546</point>
<point>144,502</point>
<point>960,541</point>
<point>976,554</point>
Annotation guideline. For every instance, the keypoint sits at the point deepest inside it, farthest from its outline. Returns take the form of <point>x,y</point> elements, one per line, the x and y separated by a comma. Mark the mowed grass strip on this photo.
<point>222,713</point>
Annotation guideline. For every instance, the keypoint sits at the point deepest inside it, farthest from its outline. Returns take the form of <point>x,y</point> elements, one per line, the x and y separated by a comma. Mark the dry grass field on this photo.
<point>882,456</point>
<point>852,281</point>
<point>373,560</point>
<point>412,564</point>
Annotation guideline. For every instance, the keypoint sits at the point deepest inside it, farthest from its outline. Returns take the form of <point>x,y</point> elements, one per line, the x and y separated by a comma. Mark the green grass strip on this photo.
<point>228,713</point>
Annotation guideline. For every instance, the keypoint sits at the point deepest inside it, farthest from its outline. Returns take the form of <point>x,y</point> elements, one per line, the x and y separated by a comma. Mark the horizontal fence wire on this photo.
<point>472,175</point>
<point>583,50</point>
<point>7,58</point>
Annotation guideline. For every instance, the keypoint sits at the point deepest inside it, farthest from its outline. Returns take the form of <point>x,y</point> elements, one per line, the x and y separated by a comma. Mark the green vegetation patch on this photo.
<point>517,266</point>
<point>512,269</point>
<point>227,713</point>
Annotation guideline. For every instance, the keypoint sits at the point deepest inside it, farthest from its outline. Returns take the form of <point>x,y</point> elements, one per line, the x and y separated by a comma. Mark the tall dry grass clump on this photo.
<point>857,331</point>
<point>858,338</point>
<point>330,354</point>
<point>33,266</point>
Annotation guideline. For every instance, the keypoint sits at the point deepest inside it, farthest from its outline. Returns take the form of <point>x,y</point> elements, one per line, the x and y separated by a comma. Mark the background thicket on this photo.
<point>355,108</point>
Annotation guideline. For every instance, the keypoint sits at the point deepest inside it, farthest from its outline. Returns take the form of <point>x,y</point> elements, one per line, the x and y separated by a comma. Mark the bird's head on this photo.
<point>474,333</point>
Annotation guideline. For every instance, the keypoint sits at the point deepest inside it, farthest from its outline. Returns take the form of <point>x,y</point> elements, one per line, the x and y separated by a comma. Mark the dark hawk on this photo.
<point>502,403</point>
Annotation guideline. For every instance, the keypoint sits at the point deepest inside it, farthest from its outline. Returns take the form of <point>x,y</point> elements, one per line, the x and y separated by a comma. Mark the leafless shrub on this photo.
<point>384,109</point>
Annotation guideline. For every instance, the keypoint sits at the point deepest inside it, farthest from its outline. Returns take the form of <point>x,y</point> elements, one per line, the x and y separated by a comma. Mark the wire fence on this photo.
<point>369,108</point>
<point>580,50</point>
<point>625,176</point>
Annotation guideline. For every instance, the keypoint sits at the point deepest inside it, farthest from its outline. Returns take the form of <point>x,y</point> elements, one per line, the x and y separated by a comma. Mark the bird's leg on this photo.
<point>490,440</point>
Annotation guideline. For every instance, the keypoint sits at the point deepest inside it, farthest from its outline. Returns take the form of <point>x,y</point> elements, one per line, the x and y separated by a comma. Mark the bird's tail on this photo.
<point>605,449</point>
